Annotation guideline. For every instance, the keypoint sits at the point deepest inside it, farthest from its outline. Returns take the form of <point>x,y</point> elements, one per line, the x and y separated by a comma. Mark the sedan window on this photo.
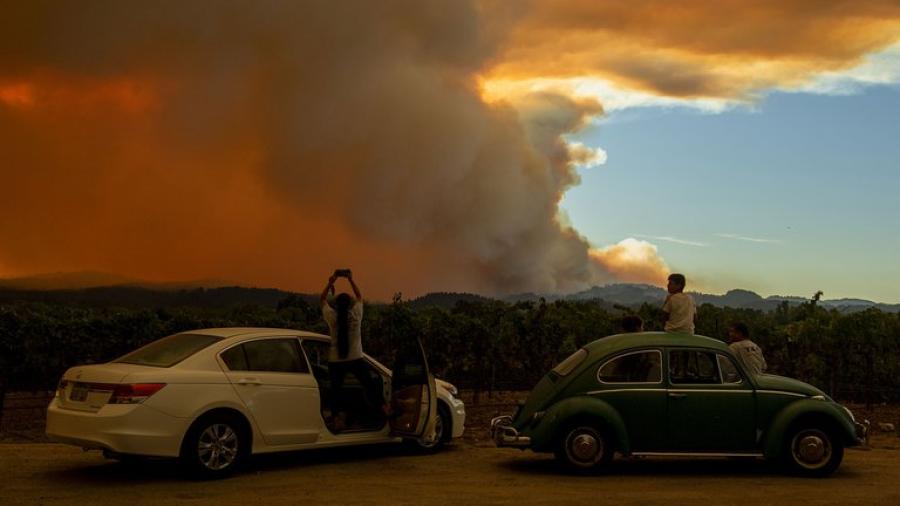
<point>638,367</point>
<point>693,367</point>
<point>168,351</point>
<point>274,355</point>
<point>235,358</point>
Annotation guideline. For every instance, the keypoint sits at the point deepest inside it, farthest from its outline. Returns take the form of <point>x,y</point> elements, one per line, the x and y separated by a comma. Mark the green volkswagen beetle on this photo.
<point>658,393</point>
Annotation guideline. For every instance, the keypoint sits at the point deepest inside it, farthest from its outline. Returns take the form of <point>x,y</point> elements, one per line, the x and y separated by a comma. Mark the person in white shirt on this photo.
<point>679,307</point>
<point>746,350</point>
<point>345,355</point>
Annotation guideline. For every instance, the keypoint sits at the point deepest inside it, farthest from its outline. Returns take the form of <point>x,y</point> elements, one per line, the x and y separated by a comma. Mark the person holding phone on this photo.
<point>344,321</point>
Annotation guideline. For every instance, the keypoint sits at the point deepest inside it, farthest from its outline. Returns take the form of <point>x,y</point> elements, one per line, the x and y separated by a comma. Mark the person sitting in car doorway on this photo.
<point>344,321</point>
<point>744,349</point>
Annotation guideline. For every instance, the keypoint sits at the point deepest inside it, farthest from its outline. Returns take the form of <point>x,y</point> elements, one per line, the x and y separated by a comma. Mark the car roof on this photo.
<point>233,332</point>
<point>620,342</point>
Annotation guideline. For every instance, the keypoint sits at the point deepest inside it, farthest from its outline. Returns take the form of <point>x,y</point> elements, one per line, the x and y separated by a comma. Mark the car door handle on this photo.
<point>249,381</point>
<point>674,395</point>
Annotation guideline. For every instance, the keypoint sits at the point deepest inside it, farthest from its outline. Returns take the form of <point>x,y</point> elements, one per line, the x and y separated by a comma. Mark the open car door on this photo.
<point>413,397</point>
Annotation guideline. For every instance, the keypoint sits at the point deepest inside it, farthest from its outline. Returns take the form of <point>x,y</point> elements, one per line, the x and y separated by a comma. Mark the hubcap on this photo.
<point>811,449</point>
<point>217,446</point>
<point>585,447</point>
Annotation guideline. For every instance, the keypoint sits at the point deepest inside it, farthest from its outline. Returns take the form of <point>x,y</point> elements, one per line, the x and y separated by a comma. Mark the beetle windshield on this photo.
<point>568,365</point>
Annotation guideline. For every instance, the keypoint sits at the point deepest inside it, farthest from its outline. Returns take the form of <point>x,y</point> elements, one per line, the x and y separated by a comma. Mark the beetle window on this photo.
<point>693,367</point>
<point>568,365</point>
<point>730,374</point>
<point>639,367</point>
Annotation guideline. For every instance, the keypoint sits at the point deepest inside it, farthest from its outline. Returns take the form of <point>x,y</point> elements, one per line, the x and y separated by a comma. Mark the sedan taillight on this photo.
<point>134,393</point>
<point>61,388</point>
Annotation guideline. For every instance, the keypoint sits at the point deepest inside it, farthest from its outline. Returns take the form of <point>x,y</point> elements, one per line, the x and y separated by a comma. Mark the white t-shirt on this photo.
<point>354,332</point>
<point>680,307</point>
<point>750,355</point>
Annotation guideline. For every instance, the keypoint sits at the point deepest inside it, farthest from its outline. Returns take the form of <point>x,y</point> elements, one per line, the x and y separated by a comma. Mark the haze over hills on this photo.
<point>104,289</point>
<point>96,279</point>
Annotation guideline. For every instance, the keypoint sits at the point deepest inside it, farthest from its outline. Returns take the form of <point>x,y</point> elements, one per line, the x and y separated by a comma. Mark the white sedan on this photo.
<point>212,397</point>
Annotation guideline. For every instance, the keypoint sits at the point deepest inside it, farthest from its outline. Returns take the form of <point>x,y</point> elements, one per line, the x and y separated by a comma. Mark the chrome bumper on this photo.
<point>862,432</point>
<point>504,434</point>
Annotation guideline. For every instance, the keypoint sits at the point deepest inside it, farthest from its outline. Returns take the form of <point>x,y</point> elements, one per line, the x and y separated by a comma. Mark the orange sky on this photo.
<point>269,144</point>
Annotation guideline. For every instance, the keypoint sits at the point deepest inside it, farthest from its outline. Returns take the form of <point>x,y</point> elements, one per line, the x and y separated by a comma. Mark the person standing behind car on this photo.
<point>345,354</point>
<point>679,307</point>
<point>744,349</point>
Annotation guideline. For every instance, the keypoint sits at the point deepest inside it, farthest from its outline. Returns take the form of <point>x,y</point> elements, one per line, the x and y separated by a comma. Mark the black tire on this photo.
<point>215,446</point>
<point>444,432</point>
<point>812,450</point>
<point>584,448</point>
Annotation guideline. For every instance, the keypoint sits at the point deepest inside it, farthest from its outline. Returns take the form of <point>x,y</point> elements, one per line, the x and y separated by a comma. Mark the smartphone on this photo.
<point>342,273</point>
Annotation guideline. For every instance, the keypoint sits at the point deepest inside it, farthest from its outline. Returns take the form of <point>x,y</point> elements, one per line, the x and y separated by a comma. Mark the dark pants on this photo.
<point>337,371</point>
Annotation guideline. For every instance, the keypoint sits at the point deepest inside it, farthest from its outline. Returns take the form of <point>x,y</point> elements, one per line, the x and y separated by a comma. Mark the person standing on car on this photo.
<point>345,355</point>
<point>744,349</point>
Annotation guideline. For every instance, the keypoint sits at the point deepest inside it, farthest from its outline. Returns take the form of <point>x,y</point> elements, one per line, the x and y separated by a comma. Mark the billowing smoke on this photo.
<point>269,142</point>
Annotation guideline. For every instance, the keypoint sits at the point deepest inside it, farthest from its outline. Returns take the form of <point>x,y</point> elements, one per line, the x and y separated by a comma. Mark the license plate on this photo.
<point>79,393</point>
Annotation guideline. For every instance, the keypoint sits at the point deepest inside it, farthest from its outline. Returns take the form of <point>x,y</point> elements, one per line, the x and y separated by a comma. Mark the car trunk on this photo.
<point>89,387</point>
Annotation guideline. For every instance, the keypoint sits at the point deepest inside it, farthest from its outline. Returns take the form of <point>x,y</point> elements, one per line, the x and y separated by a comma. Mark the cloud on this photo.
<point>750,239</point>
<point>634,261</point>
<point>681,52</point>
<point>586,156</point>
<point>674,240</point>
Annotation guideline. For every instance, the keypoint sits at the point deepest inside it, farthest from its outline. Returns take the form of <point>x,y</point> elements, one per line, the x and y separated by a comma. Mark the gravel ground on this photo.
<point>471,471</point>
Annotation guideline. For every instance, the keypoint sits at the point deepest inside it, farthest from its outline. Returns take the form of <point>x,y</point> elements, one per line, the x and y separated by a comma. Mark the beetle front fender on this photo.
<point>774,437</point>
<point>546,431</point>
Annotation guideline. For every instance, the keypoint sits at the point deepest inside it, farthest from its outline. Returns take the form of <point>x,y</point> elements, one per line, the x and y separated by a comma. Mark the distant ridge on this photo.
<point>104,289</point>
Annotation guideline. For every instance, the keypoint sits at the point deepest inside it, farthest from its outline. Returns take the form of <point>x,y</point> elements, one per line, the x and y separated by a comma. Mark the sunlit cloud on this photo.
<point>585,156</point>
<point>647,53</point>
<point>675,240</point>
<point>738,237</point>
<point>633,260</point>
<point>881,68</point>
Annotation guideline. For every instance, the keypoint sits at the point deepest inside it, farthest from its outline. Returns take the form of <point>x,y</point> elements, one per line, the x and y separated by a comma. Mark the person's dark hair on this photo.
<point>632,323</point>
<point>679,279</point>
<point>342,303</point>
<point>741,329</point>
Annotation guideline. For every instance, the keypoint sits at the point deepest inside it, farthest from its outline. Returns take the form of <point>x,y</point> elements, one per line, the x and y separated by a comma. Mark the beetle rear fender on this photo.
<point>806,411</point>
<point>581,408</point>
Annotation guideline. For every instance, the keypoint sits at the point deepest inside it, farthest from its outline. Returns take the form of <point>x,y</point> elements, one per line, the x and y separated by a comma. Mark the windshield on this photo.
<point>569,364</point>
<point>168,351</point>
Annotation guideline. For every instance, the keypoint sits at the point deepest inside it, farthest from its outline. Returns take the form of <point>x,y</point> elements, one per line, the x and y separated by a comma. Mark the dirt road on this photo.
<point>465,474</point>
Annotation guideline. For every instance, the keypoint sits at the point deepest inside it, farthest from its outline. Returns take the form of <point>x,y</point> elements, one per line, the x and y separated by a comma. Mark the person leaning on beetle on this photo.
<point>345,354</point>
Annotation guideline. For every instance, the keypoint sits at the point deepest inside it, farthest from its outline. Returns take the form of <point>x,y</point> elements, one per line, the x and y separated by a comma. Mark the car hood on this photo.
<point>773,382</point>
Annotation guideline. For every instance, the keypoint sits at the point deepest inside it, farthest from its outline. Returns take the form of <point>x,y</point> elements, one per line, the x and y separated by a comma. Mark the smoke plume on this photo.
<point>271,142</point>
